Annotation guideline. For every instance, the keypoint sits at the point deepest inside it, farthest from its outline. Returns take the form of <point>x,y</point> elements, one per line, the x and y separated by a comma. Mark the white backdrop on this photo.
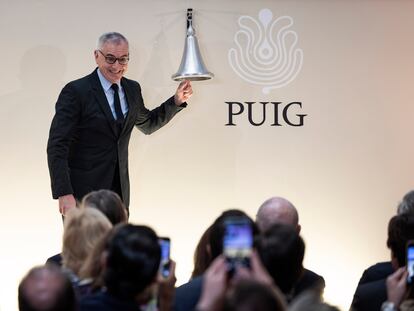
<point>345,169</point>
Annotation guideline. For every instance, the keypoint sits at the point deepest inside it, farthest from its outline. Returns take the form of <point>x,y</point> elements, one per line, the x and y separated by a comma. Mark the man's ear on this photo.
<point>298,228</point>
<point>95,53</point>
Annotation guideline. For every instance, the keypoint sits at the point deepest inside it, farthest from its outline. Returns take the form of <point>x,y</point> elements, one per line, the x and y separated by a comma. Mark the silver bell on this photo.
<point>192,66</point>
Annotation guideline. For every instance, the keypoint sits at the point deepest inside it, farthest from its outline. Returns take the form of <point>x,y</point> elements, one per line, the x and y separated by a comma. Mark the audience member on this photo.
<point>399,297</point>
<point>221,293</point>
<point>277,210</point>
<point>406,206</point>
<point>46,288</point>
<point>370,296</point>
<point>131,272</point>
<point>281,249</point>
<point>187,295</point>
<point>92,268</point>
<point>83,229</point>
<point>106,201</point>
<point>109,203</point>
<point>382,270</point>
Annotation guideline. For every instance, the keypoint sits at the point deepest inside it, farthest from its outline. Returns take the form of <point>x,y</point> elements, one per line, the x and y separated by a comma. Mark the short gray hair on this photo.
<point>114,37</point>
<point>406,206</point>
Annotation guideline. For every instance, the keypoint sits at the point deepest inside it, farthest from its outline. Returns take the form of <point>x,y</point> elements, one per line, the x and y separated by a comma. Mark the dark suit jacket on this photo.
<point>85,146</point>
<point>188,294</point>
<point>309,280</point>
<point>55,260</point>
<point>372,291</point>
<point>370,296</point>
<point>376,272</point>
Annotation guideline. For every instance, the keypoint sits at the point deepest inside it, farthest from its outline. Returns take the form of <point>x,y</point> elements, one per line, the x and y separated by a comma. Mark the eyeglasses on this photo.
<point>110,59</point>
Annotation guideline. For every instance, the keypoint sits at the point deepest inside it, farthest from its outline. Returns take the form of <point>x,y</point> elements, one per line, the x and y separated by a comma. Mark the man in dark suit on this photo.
<point>371,294</point>
<point>89,136</point>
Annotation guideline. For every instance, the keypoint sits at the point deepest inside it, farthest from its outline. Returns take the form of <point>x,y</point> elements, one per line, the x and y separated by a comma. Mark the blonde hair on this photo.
<point>83,228</point>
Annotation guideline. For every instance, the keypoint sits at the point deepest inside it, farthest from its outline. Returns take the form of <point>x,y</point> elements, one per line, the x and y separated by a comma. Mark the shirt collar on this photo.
<point>105,83</point>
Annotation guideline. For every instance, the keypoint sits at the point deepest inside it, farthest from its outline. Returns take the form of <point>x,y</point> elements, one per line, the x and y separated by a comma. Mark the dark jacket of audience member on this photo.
<point>377,272</point>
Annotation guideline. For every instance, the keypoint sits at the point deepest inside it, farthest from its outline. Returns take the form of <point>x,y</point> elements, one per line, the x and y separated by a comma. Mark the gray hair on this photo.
<point>114,37</point>
<point>406,206</point>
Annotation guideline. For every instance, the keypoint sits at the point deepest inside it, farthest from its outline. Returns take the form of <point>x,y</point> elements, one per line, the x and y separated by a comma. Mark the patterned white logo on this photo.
<point>266,52</point>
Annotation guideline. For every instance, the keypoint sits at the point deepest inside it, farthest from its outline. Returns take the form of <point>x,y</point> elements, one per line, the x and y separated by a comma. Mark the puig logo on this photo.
<point>265,54</point>
<point>265,51</point>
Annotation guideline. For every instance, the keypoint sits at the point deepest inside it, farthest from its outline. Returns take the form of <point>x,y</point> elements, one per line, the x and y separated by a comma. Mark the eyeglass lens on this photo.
<point>112,59</point>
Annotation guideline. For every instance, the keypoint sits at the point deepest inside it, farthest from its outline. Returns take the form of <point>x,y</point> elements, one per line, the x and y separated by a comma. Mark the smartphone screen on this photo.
<point>165,256</point>
<point>410,263</point>
<point>237,242</point>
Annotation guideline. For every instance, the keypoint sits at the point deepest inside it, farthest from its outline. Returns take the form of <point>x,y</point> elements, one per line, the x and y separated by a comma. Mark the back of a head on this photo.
<point>46,288</point>
<point>400,231</point>
<point>83,228</point>
<point>281,250</point>
<point>109,203</point>
<point>218,229</point>
<point>93,266</point>
<point>132,261</point>
<point>253,296</point>
<point>406,206</point>
<point>274,211</point>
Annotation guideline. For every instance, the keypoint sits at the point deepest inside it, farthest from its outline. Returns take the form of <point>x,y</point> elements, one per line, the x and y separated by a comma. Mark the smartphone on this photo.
<point>410,262</point>
<point>237,242</point>
<point>165,244</point>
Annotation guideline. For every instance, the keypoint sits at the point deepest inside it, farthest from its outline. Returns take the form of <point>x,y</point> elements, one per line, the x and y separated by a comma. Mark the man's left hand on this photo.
<point>183,93</point>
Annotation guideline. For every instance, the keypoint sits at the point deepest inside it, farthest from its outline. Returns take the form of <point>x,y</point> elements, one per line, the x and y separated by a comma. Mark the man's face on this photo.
<point>112,72</point>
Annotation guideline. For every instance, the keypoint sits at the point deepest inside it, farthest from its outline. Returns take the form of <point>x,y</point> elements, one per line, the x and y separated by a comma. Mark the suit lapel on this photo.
<point>102,101</point>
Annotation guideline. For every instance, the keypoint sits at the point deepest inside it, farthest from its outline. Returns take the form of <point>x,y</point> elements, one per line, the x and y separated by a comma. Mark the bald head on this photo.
<point>46,288</point>
<point>277,210</point>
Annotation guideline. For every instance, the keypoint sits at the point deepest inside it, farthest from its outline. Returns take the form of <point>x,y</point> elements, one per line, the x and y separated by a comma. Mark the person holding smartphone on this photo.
<point>131,273</point>
<point>373,295</point>
<point>187,295</point>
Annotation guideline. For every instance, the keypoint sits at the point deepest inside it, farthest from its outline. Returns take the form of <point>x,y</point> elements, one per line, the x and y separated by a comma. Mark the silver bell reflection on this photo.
<point>192,66</point>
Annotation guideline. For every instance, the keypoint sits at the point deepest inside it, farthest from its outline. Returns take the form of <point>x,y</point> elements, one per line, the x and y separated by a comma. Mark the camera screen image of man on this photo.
<point>90,132</point>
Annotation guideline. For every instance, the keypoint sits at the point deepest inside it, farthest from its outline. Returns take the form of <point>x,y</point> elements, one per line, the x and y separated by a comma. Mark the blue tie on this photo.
<point>117,104</point>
